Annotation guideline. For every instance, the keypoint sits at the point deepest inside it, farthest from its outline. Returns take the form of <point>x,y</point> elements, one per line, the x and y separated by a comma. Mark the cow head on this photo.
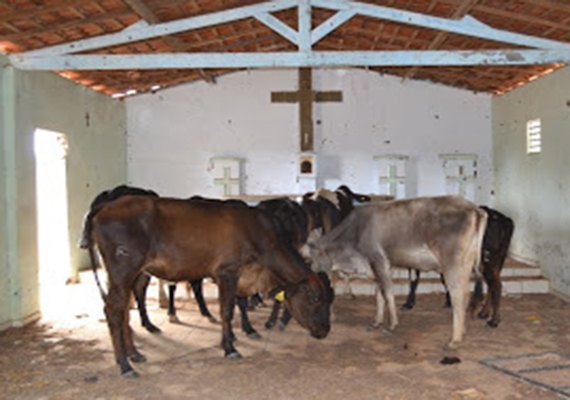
<point>310,301</point>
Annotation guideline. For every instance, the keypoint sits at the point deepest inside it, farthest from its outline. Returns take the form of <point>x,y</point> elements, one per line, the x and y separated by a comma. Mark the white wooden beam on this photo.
<point>291,59</point>
<point>304,17</point>
<point>331,24</point>
<point>468,26</point>
<point>278,26</point>
<point>165,28</point>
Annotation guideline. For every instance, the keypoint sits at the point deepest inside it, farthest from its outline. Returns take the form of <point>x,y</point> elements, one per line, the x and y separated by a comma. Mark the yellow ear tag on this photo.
<point>280,296</point>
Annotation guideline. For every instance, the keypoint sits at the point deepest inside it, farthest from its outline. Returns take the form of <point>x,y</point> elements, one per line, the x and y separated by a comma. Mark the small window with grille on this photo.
<point>533,136</point>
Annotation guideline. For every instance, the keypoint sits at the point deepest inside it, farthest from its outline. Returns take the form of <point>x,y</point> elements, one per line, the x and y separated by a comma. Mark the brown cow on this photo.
<point>187,240</point>
<point>427,233</point>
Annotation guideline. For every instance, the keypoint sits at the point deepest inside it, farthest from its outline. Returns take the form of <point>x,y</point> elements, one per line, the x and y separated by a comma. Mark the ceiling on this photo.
<point>34,24</point>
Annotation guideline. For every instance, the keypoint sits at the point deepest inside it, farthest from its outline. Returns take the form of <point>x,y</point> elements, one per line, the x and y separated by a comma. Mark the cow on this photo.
<point>325,208</point>
<point>141,285</point>
<point>442,233</point>
<point>496,242</point>
<point>319,213</point>
<point>177,240</point>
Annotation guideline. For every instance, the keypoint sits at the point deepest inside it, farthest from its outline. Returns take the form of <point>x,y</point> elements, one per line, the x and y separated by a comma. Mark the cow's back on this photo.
<point>183,239</point>
<point>419,232</point>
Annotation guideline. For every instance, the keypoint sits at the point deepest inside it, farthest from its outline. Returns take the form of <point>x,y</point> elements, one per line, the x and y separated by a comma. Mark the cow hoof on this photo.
<point>372,327</point>
<point>173,319</point>
<point>213,320</point>
<point>269,325</point>
<point>453,345</point>
<point>254,335</point>
<point>482,315</point>
<point>153,329</point>
<point>387,332</point>
<point>234,355</point>
<point>137,358</point>
<point>407,306</point>
<point>131,374</point>
<point>281,326</point>
<point>492,323</point>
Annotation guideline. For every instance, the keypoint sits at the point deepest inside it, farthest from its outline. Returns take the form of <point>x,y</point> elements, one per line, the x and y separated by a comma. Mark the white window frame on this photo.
<point>533,136</point>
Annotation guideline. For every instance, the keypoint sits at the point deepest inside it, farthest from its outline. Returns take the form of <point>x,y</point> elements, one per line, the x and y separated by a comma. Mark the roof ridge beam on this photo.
<point>292,59</point>
<point>165,28</point>
<point>468,25</point>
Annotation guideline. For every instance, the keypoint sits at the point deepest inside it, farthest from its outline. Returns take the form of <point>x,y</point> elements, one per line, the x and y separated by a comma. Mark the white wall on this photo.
<point>535,190</point>
<point>172,134</point>
<point>94,125</point>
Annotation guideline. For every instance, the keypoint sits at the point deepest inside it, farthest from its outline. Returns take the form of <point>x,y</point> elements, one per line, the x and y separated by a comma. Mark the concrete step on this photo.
<point>517,278</point>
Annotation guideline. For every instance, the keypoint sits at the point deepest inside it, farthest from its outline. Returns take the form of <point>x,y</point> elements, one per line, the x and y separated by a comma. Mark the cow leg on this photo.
<point>285,318</point>
<point>476,299</point>
<point>411,299</point>
<point>227,285</point>
<point>245,323</point>
<point>495,288</point>
<point>457,279</point>
<point>162,299</point>
<point>199,296</point>
<point>272,320</point>
<point>171,306</point>
<point>116,306</point>
<point>379,317</point>
<point>139,290</point>
<point>132,352</point>
<point>381,269</point>
<point>447,303</point>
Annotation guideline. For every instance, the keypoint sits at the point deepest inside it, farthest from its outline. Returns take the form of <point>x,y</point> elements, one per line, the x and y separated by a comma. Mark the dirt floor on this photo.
<point>72,357</point>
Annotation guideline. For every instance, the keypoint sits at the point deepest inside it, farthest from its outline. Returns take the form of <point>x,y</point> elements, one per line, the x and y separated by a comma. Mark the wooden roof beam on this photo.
<point>292,59</point>
<point>40,10</point>
<point>144,11</point>
<point>461,11</point>
<point>65,25</point>
<point>139,33</point>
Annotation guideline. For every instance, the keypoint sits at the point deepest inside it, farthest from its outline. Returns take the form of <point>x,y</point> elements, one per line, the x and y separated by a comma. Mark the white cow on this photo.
<point>442,234</point>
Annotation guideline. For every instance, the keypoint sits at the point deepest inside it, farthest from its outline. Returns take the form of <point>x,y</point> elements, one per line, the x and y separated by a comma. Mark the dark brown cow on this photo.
<point>187,240</point>
<point>141,285</point>
<point>444,234</point>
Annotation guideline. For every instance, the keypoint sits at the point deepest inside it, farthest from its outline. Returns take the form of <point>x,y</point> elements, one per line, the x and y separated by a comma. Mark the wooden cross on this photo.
<point>305,96</point>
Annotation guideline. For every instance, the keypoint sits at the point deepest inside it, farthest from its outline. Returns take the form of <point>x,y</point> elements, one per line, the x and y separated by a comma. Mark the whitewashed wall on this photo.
<point>535,190</point>
<point>172,134</point>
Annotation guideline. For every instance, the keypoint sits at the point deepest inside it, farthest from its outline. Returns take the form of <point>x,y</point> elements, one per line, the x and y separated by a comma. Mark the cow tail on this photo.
<point>480,227</point>
<point>87,235</point>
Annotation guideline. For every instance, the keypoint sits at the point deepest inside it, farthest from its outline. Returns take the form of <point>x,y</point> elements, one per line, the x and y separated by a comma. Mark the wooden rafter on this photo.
<point>66,25</point>
<point>461,11</point>
<point>144,11</point>
<point>40,10</point>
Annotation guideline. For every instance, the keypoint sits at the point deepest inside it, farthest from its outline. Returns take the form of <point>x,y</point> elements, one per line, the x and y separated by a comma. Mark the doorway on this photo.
<point>53,233</point>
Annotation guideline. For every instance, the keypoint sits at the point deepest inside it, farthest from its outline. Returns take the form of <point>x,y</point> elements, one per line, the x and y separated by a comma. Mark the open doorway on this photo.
<point>53,234</point>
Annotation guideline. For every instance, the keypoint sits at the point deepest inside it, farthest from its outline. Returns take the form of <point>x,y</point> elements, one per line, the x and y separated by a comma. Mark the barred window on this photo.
<point>533,136</point>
